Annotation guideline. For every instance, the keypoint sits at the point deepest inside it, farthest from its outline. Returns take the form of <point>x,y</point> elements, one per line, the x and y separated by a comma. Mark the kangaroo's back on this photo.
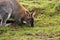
<point>18,9</point>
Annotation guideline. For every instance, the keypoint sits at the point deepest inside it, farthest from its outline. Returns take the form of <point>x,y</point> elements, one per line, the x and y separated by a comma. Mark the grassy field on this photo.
<point>47,22</point>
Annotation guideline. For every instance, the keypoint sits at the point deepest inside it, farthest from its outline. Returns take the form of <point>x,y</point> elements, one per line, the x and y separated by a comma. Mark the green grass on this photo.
<point>47,22</point>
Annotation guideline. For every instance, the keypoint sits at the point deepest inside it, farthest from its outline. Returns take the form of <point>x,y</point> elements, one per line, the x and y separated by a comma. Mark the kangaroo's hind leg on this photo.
<point>5,18</point>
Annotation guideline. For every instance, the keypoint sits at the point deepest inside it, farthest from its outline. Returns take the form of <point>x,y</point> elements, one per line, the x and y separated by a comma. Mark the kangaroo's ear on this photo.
<point>32,12</point>
<point>27,13</point>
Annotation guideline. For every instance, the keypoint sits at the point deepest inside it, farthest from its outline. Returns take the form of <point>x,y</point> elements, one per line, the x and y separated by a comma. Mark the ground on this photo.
<point>46,22</point>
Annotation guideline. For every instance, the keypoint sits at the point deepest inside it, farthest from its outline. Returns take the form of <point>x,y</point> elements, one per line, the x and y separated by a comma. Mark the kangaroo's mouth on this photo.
<point>32,24</point>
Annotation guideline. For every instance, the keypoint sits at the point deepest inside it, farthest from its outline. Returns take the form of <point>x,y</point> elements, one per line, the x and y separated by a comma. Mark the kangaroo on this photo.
<point>12,9</point>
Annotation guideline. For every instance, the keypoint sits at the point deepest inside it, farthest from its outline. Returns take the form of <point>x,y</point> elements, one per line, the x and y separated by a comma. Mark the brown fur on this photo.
<point>21,10</point>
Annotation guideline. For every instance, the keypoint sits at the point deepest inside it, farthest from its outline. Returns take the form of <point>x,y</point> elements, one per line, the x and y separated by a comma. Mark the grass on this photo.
<point>47,22</point>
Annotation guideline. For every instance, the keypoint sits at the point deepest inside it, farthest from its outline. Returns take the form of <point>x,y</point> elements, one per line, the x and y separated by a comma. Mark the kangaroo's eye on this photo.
<point>28,15</point>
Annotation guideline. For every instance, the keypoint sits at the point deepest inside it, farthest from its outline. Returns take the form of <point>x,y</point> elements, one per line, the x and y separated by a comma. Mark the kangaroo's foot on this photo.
<point>9,24</point>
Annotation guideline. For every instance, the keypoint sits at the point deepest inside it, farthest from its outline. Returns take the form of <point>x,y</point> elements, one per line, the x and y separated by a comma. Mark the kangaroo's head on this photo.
<point>29,18</point>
